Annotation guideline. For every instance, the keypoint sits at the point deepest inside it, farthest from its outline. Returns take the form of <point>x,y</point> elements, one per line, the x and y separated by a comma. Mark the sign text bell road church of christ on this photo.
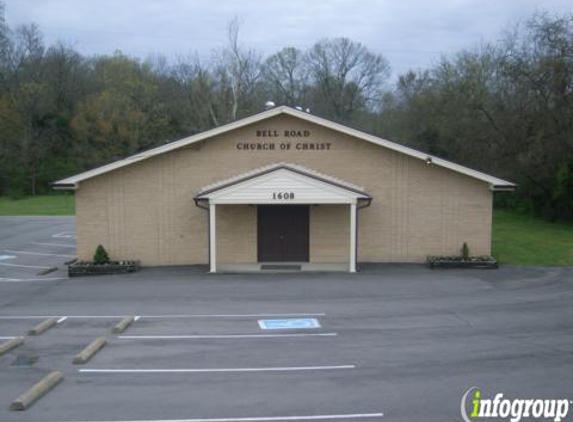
<point>284,146</point>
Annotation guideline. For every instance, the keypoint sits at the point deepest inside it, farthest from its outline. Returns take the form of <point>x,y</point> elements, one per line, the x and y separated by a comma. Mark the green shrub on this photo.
<point>465,251</point>
<point>101,257</point>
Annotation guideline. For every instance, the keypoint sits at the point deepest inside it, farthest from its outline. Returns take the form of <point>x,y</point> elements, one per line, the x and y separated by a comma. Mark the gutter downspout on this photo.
<point>206,208</point>
<point>367,204</point>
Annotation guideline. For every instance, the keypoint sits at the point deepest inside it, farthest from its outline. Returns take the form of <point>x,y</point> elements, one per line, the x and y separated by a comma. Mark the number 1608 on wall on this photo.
<point>283,195</point>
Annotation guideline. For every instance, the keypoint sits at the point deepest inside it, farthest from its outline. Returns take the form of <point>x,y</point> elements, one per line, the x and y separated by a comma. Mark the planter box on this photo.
<point>81,268</point>
<point>486,261</point>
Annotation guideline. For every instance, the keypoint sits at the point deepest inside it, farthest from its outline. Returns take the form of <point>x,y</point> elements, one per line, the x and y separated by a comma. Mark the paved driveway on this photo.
<point>394,343</point>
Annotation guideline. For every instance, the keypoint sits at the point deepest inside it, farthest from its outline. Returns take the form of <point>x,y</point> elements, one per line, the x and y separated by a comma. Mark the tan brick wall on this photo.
<point>236,234</point>
<point>146,211</point>
<point>329,233</point>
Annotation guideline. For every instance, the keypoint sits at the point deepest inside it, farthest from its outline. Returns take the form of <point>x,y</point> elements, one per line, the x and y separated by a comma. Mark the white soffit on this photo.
<point>73,182</point>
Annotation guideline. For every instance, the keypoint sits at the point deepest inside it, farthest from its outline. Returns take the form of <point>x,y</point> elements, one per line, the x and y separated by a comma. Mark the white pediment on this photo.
<point>283,186</point>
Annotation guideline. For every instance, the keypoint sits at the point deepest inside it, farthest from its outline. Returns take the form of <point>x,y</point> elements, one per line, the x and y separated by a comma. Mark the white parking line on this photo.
<point>226,336</point>
<point>62,319</point>
<point>231,315</point>
<point>27,280</point>
<point>156,316</point>
<point>349,416</point>
<point>201,370</point>
<point>69,245</point>
<point>41,254</point>
<point>31,317</point>
<point>24,266</point>
<point>7,337</point>
<point>64,235</point>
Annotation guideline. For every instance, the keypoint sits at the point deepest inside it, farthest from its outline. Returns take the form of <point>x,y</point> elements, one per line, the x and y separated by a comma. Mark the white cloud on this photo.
<point>410,33</point>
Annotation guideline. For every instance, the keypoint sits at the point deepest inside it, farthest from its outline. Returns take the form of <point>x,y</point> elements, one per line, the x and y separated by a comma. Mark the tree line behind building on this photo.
<point>505,108</point>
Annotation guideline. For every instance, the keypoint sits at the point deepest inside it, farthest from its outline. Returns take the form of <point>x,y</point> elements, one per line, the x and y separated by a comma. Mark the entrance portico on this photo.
<point>284,195</point>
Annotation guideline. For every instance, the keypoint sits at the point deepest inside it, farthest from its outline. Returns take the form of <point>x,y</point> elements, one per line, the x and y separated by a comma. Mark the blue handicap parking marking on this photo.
<point>282,324</point>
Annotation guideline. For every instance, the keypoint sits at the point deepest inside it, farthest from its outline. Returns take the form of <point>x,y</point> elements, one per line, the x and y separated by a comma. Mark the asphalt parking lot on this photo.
<point>29,245</point>
<point>395,342</point>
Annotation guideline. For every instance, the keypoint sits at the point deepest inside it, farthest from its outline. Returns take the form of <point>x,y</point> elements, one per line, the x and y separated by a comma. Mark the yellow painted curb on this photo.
<point>85,355</point>
<point>42,327</point>
<point>123,324</point>
<point>47,271</point>
<point>36,391</point>
<point>10,344</point>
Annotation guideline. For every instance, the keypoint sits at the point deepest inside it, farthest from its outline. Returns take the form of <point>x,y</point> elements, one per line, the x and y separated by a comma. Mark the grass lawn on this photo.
<point>39,205</point>
<point>519,239</point>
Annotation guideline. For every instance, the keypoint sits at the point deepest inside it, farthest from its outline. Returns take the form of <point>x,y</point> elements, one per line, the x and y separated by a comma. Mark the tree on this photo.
<point>505,108</point>
<point>346,76</point>
<point>538,72</point>
<point>123,116</point>
<point>196,95</point>
<point>286,77</point>
<point>237,75</point>
<point>12,176</point>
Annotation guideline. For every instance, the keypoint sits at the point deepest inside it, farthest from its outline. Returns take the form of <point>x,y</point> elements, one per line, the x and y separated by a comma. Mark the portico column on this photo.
<point>212,238</point>
<point>352,260</point>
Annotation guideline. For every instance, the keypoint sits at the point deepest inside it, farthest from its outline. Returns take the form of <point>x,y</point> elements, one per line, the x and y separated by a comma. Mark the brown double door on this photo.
<point>283,233</point>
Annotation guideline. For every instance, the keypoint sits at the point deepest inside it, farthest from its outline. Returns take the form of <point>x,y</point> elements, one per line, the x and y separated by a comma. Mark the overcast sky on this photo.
<point>409,33</point>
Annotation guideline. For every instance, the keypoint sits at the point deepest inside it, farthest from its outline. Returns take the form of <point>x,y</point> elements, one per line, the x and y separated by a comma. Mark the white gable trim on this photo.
<point>296,168</point>
<point>281,186</point>
<point>73,182</point>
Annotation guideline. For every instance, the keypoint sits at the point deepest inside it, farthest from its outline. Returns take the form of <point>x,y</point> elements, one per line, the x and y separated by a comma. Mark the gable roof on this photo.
<point>355,191</point>
<point>73,181</point>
